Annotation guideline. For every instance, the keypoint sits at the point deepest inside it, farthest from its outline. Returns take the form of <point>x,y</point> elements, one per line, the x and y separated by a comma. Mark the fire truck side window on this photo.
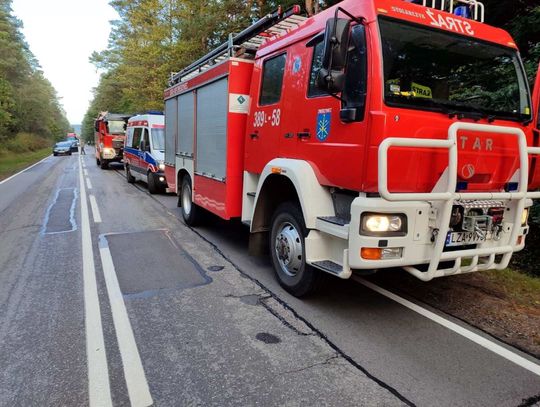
<point>136,137</point>
<point>354,93</point>
<point>316,65</point>
<point>272,81</point>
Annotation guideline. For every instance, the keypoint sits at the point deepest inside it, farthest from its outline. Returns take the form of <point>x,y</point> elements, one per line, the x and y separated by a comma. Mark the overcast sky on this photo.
<point>62,34</point>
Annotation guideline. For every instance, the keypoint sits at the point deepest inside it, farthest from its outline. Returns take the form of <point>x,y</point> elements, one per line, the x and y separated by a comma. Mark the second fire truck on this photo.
<point>375,134</point>
<point>109,136</point>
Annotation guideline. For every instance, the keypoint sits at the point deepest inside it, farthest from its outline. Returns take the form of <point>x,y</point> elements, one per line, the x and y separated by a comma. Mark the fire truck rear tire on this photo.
<point>97,162</point>
<point>130,178</point>
<point>191,212</point>
<point>287,249</point>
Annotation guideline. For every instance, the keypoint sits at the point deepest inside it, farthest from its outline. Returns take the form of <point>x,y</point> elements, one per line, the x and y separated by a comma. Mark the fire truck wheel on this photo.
<point>153,186</point>
<point>130,178</point>
<point>97,162</point>
<point>103,164</point>
<point>288,251</point>
<point>190,211</point>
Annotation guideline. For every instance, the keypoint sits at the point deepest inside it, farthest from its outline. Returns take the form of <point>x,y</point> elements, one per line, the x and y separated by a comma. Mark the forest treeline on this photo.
<point>153,38</point>
<point>30,112</point>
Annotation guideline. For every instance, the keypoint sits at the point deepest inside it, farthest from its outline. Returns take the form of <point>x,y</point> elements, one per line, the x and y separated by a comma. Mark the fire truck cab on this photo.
<point>109,136</point>
<point>379,134</point>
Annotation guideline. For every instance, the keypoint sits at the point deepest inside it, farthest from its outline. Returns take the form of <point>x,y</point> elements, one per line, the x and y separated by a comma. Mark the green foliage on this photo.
<point>154,38</point>
<point>28,102</point>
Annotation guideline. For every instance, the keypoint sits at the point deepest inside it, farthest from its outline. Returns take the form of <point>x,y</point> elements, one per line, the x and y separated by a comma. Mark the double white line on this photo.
<point>98,371</point>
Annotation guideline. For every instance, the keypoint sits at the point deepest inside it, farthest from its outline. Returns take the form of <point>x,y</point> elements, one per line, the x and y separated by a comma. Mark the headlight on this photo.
<point>108,150</point>
<point>524,216</point>
<point>161,166</point>
<point>379,224</point>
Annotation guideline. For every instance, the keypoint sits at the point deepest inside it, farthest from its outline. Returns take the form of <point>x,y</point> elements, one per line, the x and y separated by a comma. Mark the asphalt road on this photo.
<point>107,298</point>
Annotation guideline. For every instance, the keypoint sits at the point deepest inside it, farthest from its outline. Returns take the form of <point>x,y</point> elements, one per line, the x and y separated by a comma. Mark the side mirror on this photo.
<point>331,76</point>
<point>96,126</point>
<point>147,146</point>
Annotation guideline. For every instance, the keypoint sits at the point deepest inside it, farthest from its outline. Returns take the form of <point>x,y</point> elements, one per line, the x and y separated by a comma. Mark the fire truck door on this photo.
<point>264,124</point>
<point>311,116</point>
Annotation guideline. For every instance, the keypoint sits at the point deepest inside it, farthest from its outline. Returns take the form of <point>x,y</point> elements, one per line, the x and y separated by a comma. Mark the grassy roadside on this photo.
<point>14,162</point>
<point>519,287</point>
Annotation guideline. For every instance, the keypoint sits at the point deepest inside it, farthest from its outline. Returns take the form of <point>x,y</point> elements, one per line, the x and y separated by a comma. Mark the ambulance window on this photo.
<point>130,137</point>
<point>272,81</point>
<point>145,136</point>
<point>316,65</point>
<point>136,137</point>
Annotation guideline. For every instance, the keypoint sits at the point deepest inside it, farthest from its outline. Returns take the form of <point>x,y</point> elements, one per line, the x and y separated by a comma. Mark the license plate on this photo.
<point>464,238</point>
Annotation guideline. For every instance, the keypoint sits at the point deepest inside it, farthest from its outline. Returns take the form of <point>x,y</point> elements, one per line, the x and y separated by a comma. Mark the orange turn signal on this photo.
<point>371,253</point>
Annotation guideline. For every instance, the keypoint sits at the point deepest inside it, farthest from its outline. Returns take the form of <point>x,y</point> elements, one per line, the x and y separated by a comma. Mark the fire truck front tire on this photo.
<point>191,212</point>
<point>97,162</point>
<point>130,178</point>
<point>103,164</point>
<point>288,252</point>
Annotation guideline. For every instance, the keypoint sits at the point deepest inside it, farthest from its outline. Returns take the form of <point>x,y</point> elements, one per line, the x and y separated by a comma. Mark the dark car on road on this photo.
<point>62,148</point>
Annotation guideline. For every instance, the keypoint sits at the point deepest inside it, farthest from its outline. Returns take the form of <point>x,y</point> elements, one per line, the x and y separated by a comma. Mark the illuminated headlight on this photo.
<point>524,216</point>
<point>161,166</point>
<point>108,150</point>
<point>379,224</point>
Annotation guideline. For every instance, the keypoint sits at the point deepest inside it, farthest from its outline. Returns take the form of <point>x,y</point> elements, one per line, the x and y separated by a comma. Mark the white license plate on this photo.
<point>464,238</point>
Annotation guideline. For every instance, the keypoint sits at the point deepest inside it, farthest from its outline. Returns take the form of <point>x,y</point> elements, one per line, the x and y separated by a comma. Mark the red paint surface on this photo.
<point>170,176</point>
<point>348,158</point>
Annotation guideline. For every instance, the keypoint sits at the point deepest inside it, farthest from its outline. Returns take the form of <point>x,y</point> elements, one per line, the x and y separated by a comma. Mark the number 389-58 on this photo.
<point>260,118</point>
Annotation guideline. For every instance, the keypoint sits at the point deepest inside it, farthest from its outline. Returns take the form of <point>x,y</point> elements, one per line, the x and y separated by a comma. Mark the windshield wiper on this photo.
<point>467,111</point>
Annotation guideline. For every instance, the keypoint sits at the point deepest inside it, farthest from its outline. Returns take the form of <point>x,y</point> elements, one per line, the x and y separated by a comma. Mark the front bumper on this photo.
<point>112,154</point>
<point>419,243</point>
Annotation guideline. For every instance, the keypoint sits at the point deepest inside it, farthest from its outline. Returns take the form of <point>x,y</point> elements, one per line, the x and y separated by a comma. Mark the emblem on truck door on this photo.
<point>468,171</point>
<point>323,124</point>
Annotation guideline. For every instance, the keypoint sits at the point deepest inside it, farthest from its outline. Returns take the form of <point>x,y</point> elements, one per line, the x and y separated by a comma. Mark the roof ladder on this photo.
<point>270,26</point>
<point>452,6</point>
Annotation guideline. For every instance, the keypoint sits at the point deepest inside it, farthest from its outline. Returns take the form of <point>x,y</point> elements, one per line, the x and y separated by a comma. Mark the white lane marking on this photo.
<point>88,183</point>
<point>137,385</point>
<point>478,339</point>
<point>99,390</point>
<point>85,173</point>
<point>26,169</point>
<point>95,209</point>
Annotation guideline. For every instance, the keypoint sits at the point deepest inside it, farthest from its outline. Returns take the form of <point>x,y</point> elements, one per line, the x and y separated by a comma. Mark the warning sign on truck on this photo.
<point>238,103</point>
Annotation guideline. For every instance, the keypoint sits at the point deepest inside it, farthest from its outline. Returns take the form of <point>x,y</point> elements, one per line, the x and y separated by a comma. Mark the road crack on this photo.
<point>324,362</point>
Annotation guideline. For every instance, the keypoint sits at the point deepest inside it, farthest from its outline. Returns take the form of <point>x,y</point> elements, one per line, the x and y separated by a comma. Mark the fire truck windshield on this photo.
<point>436,70</point>
<point>158,139</point>
<point>116,126</point>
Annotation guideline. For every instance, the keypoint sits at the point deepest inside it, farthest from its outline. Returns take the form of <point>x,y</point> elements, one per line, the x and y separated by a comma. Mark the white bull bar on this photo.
<point>449,195</point>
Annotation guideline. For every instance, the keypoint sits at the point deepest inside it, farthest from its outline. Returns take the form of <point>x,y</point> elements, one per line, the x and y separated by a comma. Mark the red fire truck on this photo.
<point>375,134</point>
<point>109,136</point>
